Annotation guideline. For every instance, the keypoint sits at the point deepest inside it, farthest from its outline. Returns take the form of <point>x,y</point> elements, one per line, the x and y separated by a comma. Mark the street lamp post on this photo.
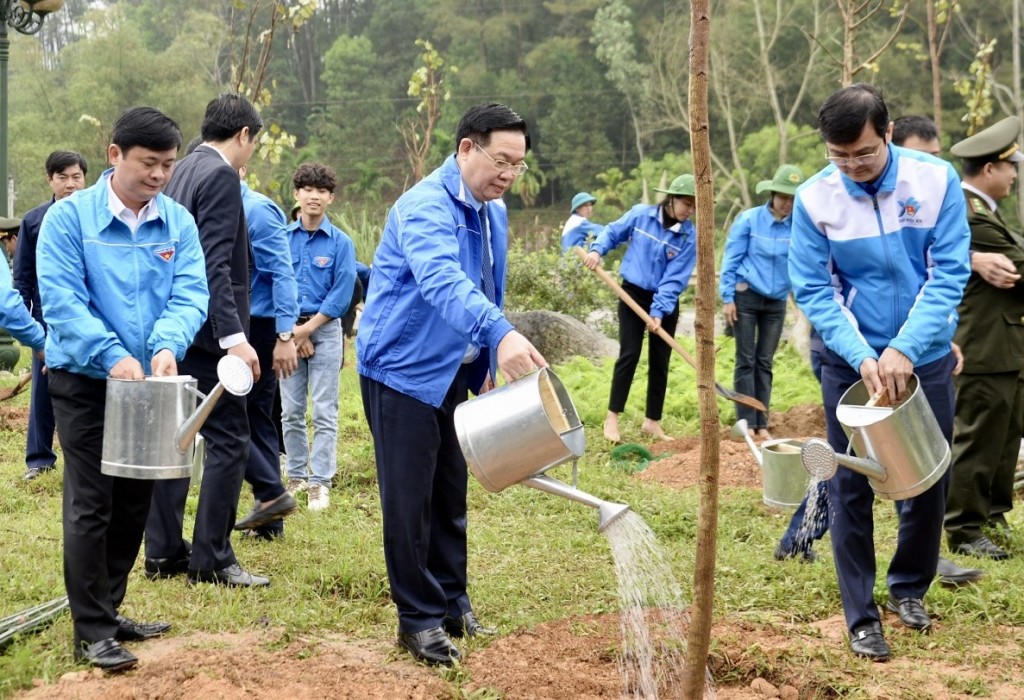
<point>25,17</point>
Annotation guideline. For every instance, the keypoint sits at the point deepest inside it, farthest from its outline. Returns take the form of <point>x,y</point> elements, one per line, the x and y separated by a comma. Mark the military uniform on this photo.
<point>989,392</point>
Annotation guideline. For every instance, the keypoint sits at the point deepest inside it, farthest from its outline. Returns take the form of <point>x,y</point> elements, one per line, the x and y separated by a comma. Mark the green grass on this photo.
<point>533,558</point>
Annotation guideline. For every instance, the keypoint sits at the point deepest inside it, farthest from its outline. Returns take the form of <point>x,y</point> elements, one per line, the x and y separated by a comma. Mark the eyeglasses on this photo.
<point>504,166</point>
<point>856,160</point>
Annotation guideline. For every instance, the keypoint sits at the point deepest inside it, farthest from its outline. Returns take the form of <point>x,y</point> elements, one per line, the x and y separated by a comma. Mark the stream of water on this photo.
<point>653,651</point>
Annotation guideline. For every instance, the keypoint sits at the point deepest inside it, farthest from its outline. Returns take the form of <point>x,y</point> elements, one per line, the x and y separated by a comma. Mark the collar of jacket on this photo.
<point>887,180</point>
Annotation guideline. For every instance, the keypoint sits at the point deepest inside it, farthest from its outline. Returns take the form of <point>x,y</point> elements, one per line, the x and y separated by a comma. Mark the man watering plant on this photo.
<point>433,330</point>
<point>115,246</point>
<point>878,261</point>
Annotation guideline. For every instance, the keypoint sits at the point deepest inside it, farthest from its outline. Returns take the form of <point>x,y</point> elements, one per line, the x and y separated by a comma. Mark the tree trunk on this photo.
<point>699,634</point>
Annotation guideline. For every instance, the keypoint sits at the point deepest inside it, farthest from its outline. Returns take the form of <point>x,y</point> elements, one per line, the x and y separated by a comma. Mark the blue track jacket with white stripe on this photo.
<point>886,270</point>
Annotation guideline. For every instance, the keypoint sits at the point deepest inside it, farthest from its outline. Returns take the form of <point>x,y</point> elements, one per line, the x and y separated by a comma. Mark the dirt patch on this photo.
<point>554,661</point>
<point>680,465</point>
<point>14,418</point>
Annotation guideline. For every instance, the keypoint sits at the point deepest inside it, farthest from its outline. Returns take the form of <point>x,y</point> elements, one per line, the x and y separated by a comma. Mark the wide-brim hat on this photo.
<point>997,142</point>
<point>579,200</point>
<point>684,185</point>
<point>787,179</point>
<point>9,225</point>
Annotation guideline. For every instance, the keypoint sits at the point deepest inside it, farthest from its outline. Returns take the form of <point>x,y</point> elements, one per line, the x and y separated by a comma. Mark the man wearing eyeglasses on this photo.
<point>878,261</point>
<point>431,331</point>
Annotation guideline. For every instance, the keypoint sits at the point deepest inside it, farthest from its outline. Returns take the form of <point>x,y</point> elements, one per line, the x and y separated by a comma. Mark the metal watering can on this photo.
<point>903,451</point>
<point>150,426</point>
<point>513,434</point>
<point>785,480</point>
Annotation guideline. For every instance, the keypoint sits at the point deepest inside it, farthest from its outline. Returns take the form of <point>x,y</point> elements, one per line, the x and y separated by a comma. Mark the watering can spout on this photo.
<point>607,511</point>
<point>739,430</point>
<point>821,461</point>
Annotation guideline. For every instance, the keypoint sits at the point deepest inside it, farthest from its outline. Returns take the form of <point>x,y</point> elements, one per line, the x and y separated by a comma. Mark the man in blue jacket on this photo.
<point>431,331</point>
<point>878,262</point>
<point>117,246</point>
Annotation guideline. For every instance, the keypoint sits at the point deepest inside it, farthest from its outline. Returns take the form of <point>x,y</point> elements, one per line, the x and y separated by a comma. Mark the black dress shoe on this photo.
<point>982,547</point>
<point>233,575</point>
<point>169,567</point>
<point>806,556</point>
<point>911,612</point>
<point>107,654</point>
<point>266,513</point>
<point>467,626</point>
<point>951,575</point>
<point>430,646</point>
<point>128,630</point>
<point>36,472</point>
<point>867,641</point>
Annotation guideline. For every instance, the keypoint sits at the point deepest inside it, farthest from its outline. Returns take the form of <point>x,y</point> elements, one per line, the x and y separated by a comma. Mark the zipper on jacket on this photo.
<point>892,269</point>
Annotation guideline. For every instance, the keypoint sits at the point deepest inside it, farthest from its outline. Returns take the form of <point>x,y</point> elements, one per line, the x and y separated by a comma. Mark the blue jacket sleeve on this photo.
<point>614,234</point>
<point>816,293</point>
<point>949,255</point>
<point>431,249</point>
<point>186,309</point>
<point>676,276</point>
<point>268,237</point>
<point>336,303</point>
<point>15,316</point>
<point>736,247</point>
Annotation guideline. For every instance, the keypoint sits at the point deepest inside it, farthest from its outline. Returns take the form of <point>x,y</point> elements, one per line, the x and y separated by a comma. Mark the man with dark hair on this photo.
<point>118,245</point>
<point>325,269</point>
<point>989,393</point>
<point>431,331</point>
<point>206,183</point>
<point>65,174</point>
<point>878,262</point>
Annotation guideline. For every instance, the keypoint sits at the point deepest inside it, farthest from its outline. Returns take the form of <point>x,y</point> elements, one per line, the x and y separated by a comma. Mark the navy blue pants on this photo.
<point>39,452</point>
<point>913,565</point>
<point>263,471</point>
<point>422,477</point>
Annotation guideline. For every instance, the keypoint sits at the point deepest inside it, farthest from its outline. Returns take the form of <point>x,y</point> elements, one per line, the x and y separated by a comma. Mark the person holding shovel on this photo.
<point>655,271</point>
<point>878,261</point>
<point>754,284</point>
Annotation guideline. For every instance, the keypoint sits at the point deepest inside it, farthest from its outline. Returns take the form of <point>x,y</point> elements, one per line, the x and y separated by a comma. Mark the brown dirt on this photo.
<point>14,418</point>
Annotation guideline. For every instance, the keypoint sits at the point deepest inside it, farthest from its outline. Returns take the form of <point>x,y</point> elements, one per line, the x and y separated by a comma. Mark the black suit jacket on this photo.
<point>209,188</point>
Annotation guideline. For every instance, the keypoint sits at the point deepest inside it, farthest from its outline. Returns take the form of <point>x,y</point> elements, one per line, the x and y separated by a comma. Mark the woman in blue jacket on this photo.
<point>655,271</point>
<point>754,284</point>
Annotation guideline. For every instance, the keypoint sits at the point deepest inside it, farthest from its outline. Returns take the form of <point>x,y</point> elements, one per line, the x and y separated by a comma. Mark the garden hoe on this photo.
<point>663,334</point>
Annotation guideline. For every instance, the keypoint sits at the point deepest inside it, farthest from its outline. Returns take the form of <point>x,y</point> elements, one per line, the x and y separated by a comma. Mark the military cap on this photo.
<point>684,185</point>
<point>787,179</point>
<point>9,226</point>
<point>997,142</point>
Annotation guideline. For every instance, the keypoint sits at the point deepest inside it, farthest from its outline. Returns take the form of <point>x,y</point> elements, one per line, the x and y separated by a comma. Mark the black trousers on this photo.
<point>103,516</point>
<point>226,432</point>
<point>263,470</point>
<point>632,330</point>
<point>422,477</point>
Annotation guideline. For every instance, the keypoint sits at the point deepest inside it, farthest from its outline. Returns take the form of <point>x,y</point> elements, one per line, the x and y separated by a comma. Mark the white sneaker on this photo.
<point>319,497</point>
<point>297,486</point>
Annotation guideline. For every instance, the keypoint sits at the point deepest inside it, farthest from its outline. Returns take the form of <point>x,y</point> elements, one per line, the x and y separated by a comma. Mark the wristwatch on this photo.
<point>285,337</point>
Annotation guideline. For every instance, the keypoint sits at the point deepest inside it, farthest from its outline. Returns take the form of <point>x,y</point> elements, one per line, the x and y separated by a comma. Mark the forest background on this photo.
<point>375,87</point>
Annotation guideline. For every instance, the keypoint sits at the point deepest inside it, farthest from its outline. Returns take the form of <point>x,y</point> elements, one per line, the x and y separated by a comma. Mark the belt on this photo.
<point>302,319</point>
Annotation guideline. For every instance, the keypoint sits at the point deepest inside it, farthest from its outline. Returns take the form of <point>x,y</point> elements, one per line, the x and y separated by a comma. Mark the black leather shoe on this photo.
<point>982,547</point>
<point>951,575</point>
<point>807,556</point>
<point>169,567</point>
<point>36,472</point>
<point>867,641</point>
<point>107,654</point>
<point>467,626</point>
<point>911,612</point>
<point>266,513</point>
<point>430,646</point>
<point>128,630</point>
<point>233,575</point>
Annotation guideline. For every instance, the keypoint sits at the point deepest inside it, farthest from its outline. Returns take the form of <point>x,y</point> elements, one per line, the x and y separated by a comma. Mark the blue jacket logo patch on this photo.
<point>322,261</point>
<point>908,208</point>
<point>165,254</point>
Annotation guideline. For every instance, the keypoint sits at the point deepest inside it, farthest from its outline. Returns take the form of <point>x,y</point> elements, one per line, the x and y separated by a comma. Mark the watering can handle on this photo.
<point>880,400</point>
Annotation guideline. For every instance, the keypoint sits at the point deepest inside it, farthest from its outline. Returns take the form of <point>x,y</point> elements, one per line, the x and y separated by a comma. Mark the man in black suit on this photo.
<point>206,183</point>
